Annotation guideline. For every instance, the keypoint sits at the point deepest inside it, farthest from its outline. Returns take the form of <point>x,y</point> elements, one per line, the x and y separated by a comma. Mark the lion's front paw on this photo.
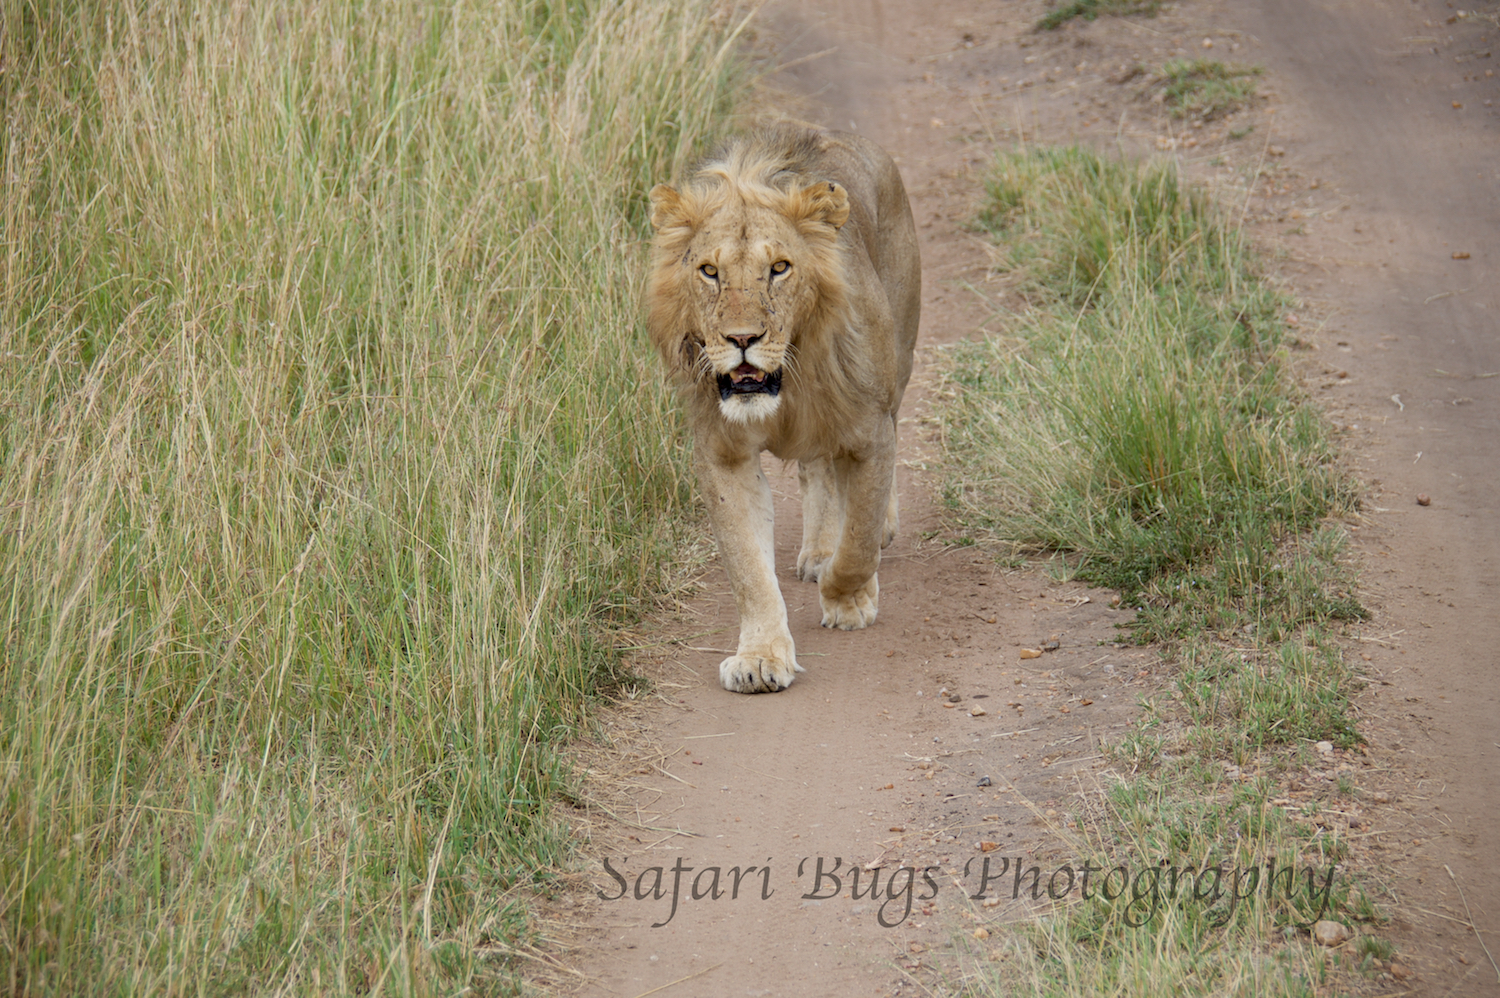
<point>852,611</point>
<point>812,564</point>
<point>757,673</point>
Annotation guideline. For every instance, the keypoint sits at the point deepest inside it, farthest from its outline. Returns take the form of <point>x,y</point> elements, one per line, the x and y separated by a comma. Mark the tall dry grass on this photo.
<point>327,443</point>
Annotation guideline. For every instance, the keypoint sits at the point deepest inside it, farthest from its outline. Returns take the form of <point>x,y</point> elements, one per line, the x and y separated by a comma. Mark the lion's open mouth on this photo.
<point>747,379</point>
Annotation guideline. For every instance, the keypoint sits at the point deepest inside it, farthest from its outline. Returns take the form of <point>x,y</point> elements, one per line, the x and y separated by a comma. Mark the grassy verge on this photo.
<point>1142,421</point>
<point>328,445</point>
<point>1143,417</point>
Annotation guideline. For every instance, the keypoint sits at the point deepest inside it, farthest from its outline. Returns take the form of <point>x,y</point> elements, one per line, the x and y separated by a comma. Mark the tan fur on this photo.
<point>837,324</point>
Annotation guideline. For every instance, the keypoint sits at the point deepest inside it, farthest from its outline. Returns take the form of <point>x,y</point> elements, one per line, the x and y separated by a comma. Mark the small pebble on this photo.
<point>1330,933</point>
<point>1423,499</point>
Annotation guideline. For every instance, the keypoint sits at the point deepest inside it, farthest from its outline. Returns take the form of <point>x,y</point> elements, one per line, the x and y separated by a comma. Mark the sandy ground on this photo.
<point>1372,165</point>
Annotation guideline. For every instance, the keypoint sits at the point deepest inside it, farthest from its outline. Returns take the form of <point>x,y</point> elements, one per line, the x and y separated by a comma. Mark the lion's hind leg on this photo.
<point>892,516</point>
<point>849,589</point>
<point>821,518</point>
<point>893,504</point>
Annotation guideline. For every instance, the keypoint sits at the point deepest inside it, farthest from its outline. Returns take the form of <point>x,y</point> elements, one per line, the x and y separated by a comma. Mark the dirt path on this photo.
<point>860,762</point>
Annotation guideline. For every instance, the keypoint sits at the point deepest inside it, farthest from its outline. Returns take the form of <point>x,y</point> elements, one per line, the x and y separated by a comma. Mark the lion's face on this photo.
<point>746,293</point>
<point>741,276</point>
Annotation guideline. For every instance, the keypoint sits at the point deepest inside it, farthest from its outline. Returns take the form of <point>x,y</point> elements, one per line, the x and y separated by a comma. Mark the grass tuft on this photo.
<point>1206,88</point>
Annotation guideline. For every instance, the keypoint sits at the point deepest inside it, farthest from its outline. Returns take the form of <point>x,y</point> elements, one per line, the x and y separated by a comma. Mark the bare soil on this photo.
<point>1368,168</point>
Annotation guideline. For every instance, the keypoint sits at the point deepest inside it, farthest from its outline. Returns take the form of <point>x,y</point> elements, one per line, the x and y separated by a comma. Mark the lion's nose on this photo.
<point>743,339</point>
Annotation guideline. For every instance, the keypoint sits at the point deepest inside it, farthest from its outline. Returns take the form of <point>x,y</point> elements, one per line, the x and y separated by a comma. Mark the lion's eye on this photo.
<point>709,270</point>
<point>780,267</point>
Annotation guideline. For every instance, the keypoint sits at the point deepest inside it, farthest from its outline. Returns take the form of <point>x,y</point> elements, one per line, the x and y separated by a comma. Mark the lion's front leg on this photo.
<point>849,589</point>
<point>739,504</point>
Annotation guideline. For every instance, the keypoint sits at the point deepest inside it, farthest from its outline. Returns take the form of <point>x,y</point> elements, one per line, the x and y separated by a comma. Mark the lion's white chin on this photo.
<point>749,408</point>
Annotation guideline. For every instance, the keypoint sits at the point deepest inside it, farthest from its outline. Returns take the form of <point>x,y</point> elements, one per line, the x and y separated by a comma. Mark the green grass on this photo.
<point>331,448</point>
<point>1288,692</point>
<point>1141,415</point>
<point>1091,9</point>
<point>1182,945</point>
<point>1206,88</point>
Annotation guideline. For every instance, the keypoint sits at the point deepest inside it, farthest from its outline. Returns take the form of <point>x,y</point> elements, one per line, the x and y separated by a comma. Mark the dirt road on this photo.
<point>865,762</point>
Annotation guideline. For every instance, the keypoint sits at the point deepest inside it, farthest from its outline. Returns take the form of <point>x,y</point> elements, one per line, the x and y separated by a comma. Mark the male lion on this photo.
<point>784,293</point>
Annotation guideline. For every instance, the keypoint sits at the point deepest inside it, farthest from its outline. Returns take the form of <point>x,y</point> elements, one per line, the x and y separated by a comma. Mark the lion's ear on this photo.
<point>825,202</point>
<point>667,209</point>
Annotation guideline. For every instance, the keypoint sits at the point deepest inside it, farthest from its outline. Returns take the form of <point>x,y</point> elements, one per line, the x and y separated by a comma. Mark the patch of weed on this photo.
<point>1088,10</point>
<point>1206,88</point>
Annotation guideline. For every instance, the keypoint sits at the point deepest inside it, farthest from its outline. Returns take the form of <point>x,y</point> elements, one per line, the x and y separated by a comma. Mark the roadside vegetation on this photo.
<point>1089,10</point>
<point>1139,422</point>
<point>328,449</point>
<point>1206,89</point>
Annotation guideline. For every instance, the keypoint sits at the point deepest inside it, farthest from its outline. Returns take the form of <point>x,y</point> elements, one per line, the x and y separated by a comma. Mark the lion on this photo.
<point>784,294</point>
